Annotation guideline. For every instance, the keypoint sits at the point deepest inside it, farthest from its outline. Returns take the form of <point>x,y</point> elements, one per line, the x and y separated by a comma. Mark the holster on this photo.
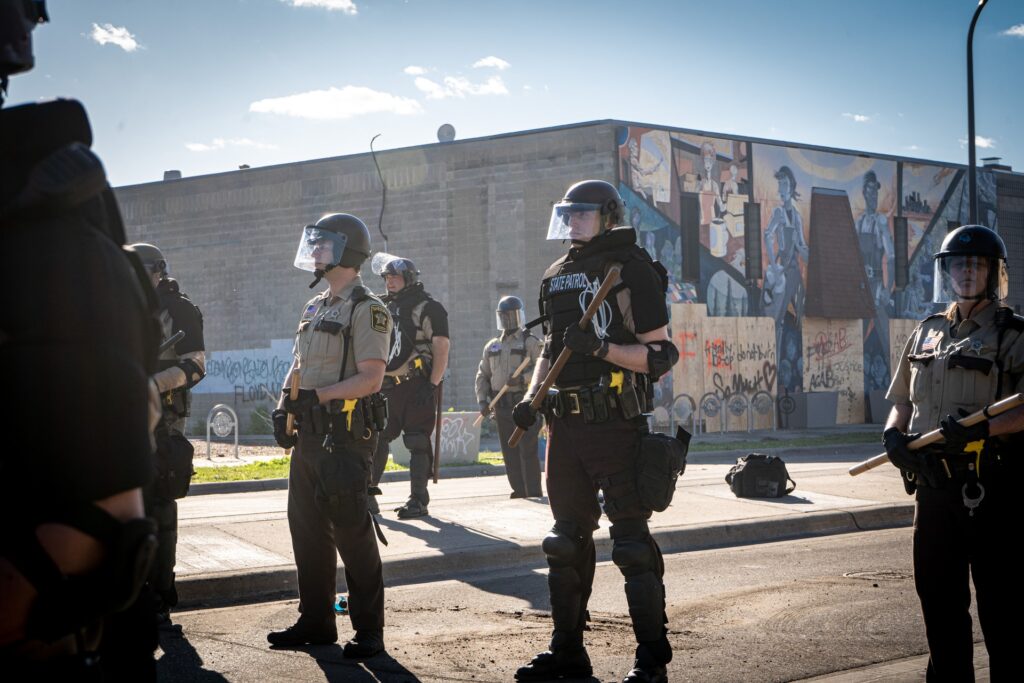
<point>177,401</point>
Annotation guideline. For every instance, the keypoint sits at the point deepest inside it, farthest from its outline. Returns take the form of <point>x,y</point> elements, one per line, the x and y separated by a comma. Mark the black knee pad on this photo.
<point>416,441</point>
<point>564,544</point>
<point>633,549</point>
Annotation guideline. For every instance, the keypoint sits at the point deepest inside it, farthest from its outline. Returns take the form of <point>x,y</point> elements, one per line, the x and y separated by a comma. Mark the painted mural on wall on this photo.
<point>828,254</point>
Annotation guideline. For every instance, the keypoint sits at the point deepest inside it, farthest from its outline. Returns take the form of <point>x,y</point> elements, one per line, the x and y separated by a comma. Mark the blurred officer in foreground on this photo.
<point>502,356</point>
<point>955,363</point>
<point>77,347</point>
<point>598,428</point>
<point>419,357</point>
<point>181,366</point>
<point>341,348</point>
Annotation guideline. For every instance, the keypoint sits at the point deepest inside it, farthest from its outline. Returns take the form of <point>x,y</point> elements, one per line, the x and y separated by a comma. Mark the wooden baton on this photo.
<point>935,435</point>
<point>503,391</point>
<point>610,280</point>
<point>293,394</point>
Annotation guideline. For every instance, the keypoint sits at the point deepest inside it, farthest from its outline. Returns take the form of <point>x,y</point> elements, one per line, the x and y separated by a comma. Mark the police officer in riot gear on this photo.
<point>957,362</point>
<point>78,343</point>
<point>596,419</point>
<point>418,360</point>
<point>502,356</point>
<point>341,349</point>
<point>181,366</point>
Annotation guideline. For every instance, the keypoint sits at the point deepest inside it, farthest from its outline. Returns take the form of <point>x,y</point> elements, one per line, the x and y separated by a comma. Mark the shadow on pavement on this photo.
<point>181,661</point>
<point>383,668</point>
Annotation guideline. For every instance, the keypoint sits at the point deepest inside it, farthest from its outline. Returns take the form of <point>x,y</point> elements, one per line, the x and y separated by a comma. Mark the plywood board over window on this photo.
<point>834,361</point>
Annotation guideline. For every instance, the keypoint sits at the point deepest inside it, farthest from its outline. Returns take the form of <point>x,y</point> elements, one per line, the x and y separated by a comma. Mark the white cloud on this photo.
<point>859,118</point>
<point>458,86</point>
<point>1016,31</point>
<point>980,141</point>
<point>493,62</point>
<point>116,35</point>
<point>414,70</point>
<point>337,103</point>
<point>346,6</point>
<point>222,143</point>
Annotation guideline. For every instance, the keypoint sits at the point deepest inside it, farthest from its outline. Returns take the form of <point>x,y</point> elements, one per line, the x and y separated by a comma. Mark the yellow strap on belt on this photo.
<point>976,447</point>
<point>349,407</point>
<point>418,363</point>
<point>617,378</point>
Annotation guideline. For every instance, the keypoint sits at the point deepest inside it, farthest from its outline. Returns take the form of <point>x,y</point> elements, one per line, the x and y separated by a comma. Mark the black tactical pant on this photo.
<point>583,458</point>
<point>950,548</point>
<point>522,467</point>
<point>327,510</point>
<point>161,573</point>
<point>406,414</point>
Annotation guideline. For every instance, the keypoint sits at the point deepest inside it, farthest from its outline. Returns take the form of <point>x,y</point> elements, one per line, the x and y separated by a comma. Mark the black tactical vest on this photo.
<point>568,287</point>
<point>406,330</point>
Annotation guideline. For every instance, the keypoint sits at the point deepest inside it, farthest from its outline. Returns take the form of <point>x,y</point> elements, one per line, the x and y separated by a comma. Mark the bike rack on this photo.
<point>218,419</point>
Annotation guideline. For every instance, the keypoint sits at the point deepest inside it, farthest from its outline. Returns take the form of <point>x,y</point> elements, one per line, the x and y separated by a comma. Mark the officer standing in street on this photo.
<point>416,366</point>
<point>181,366</point>
<point>596,421</point>
<point>501,358</point>
<point>78,342</point>
<point>955,363</point>
<point>341,349</point>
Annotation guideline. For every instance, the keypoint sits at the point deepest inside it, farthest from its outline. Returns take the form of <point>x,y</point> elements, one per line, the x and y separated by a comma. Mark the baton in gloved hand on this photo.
<point>610,280</point>
<point>503,391</point>
<point>293,394</point>
<point>178,336</point>
<point>935,436</point>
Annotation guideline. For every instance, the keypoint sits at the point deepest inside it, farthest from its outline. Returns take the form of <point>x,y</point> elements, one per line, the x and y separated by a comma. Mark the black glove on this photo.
<point>425,394</point>
<point>524,414</point>
<point>923,462</point>
<point>306,401</point>
<point>283,439</point>
<point>582,341</point>
<point>958,436</point>
<point>485,408</point>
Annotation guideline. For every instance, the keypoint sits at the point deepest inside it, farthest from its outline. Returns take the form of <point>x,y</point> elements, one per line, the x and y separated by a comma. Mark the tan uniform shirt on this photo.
<point>320,340</point>
<point>937,373</point>
<point>502,355</point>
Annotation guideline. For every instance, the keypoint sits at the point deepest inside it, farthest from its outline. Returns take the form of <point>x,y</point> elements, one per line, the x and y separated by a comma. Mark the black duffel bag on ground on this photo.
<point>662,460</point>
<point>760,476</point>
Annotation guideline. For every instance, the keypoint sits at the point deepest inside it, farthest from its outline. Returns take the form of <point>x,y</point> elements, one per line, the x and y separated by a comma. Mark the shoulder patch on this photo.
<point>380,319</point>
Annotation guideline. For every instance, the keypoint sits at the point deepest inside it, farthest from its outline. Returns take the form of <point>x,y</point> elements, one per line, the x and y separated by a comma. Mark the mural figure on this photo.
<point>643,178</point>
<point>785,245</point>
<point>732,185</point>
<point>876,245</point>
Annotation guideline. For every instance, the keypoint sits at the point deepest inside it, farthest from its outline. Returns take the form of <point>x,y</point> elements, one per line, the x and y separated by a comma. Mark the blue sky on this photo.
<point>203,86</point>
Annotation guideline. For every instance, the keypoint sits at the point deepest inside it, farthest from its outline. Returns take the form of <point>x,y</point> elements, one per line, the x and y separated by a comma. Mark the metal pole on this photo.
<point>972,170</point>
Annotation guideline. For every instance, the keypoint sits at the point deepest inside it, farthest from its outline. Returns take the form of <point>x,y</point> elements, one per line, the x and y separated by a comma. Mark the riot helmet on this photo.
<point>152,258</point>
<point>510,313</point>
<point>337,239</point>
<point>968,254</point>
<point>385,264</point>
<point>585,204</point>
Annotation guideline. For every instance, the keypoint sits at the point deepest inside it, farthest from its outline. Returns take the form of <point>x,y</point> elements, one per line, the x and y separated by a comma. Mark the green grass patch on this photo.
<point>265,469</point>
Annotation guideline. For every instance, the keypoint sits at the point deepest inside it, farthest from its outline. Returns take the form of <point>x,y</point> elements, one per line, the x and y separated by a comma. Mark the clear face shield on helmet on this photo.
<point>509,320</point>
<point>574,221</point>
<point>960,277</point>
<point>319,249</point>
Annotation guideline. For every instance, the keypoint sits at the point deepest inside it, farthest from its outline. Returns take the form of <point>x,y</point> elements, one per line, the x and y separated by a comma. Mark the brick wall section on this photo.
<point>472,215</point>
<point>837,286</point>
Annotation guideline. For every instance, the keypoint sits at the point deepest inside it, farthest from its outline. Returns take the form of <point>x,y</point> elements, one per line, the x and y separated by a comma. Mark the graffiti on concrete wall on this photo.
<point>247,374</point>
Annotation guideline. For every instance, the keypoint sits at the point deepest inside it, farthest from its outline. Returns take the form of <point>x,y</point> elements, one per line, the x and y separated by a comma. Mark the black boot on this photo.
<point>304,633</point>
<point>566,658</point>
<point>412,508</point>
<point>365,644</point>
<point>651,658</point>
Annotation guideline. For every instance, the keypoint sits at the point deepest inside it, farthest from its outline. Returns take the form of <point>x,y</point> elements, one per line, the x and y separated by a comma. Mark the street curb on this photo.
<point>700,458</point>
<point>268,583</point>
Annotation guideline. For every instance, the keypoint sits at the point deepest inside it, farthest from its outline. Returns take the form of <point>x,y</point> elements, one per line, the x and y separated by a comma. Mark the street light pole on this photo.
<point>972,170</point>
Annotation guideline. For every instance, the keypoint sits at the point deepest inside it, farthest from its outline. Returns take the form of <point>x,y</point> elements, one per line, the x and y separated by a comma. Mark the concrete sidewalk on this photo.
<point>235,547</point>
